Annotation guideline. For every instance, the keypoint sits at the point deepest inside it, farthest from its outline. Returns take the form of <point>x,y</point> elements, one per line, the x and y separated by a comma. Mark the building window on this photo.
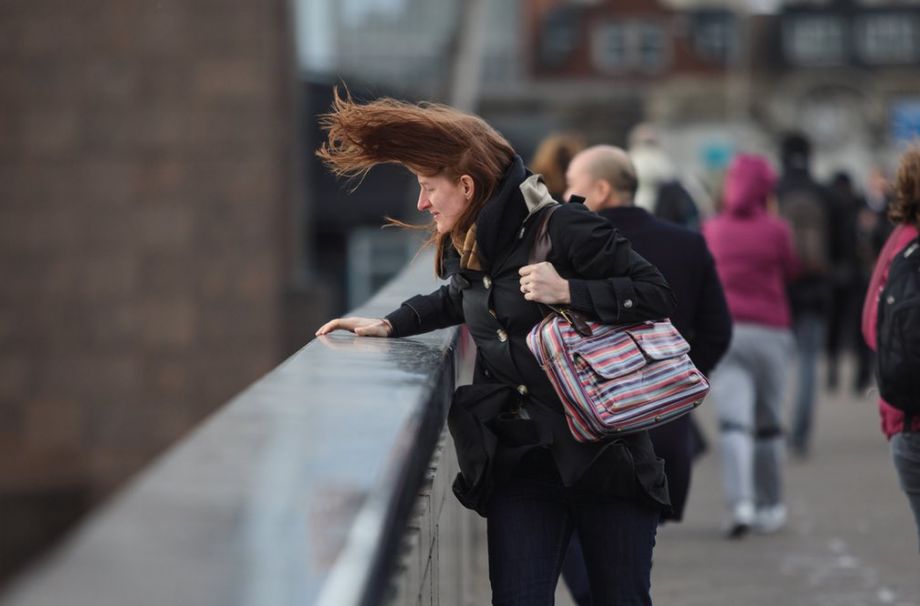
<point>714,36</point>
<point>610,52</point>
<point>887,38</point>
<point>652,47</point>
<point>815,40</point>
<point>630,46</point>
<point>559,36</point>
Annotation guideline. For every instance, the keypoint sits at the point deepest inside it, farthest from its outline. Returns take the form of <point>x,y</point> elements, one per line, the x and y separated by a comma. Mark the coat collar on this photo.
<point>626,215</point>
<point>504,209</point>
<point>518,196</point>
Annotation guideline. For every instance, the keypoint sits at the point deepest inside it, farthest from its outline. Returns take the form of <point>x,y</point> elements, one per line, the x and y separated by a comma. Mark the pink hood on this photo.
<point>748,184</point>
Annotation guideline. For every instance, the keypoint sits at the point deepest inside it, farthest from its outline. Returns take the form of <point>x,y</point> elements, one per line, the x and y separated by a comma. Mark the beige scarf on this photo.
<point>469,258</point>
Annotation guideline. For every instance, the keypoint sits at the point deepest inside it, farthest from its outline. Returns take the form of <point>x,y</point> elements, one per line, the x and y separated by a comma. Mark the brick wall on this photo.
<point>146,182</point>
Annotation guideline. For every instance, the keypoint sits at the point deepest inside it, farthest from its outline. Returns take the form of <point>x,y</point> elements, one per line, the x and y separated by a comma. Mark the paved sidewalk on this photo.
<point>850,540</point>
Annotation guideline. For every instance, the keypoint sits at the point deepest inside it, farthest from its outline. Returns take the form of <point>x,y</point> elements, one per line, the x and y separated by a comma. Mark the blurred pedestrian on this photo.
<point>817,233</point>
<point>661,190</point>
<point>521,466</point>
<point>905,213</point>
<point>849,289</point>
<point>605,177</point>
<point>552,158</point>
<point>754,258</point>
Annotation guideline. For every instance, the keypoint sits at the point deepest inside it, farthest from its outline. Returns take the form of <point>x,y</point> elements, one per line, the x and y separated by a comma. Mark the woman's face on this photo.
<point>444,198</point>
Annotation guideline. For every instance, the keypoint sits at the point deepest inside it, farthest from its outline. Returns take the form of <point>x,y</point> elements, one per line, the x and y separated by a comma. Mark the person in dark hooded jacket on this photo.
<point>755,260</point>
<point>528,476</point>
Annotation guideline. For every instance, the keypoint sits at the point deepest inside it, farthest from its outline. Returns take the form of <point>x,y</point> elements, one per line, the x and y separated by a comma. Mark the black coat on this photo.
<point>702,317</point>
<point>609,281</point>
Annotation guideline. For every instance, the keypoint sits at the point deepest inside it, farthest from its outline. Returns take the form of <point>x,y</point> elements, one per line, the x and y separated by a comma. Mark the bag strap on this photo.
<point>539,252</point>
<point>542,244</point>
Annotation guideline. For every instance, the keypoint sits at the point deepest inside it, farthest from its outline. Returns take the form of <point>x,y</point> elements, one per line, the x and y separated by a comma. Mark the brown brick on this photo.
<point>144,129</point>
<point>230,324</point>
<point>50,34</point>
<point>106,276</point>
<point>11,423</point>
<point>112,79</point>
<point>39,230</point>
<point>239,79</point>
<point>79,184</point>
<point>168,323</point>
<point>167,377</point>
<point>142,165</point>
<point>166,227</point>
<point>50,131</point>
<point>112,324</point>
<point>248,278</point>
<point>221,30</point>
<point>92,377</point>
<point>168,274</point>
<point>9,320</point>
<point>52,423</point>
<point>235,223</point>
<point>15,376</point>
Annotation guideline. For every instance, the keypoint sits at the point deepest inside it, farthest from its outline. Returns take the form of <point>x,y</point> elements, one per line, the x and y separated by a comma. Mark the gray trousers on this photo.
<point>905,451</point>
<point>748,387</point>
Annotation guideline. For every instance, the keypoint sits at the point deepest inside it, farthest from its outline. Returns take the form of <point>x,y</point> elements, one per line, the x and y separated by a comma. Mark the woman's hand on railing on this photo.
<point>363,327</point>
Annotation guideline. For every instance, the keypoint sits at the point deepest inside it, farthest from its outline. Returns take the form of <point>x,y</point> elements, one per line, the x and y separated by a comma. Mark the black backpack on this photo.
<point>898,331</point>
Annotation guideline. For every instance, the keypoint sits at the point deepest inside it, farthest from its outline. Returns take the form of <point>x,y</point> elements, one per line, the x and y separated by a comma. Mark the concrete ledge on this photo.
<point>295,492</point>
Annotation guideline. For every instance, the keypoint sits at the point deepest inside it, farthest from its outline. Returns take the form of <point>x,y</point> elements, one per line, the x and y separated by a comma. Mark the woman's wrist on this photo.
<point>388,324</point>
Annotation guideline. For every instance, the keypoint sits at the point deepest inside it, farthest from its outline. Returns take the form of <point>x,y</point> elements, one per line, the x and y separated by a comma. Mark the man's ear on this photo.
<point>468,186</point>
<point>603,188</point>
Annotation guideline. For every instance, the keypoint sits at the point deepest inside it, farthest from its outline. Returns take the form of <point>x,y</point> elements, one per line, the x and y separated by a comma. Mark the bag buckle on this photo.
<point>574,319</point>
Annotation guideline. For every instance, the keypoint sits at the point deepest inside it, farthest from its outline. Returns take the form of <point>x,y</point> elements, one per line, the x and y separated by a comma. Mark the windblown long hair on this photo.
<point>429,139</point>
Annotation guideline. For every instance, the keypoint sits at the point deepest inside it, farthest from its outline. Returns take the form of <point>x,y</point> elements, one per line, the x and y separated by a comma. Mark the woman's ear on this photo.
<point>468,186</point>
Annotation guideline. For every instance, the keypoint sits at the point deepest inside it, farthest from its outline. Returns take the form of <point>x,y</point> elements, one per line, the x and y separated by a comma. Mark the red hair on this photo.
<point>428,138</point>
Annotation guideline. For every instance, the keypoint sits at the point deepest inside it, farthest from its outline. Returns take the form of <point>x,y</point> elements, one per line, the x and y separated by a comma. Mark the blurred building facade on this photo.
<point>148,187</point>
<point>716,75</point>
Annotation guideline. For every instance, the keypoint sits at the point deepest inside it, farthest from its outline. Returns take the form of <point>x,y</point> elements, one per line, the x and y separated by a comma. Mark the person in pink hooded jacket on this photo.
<point>754,256</point>
<point>905,212</point>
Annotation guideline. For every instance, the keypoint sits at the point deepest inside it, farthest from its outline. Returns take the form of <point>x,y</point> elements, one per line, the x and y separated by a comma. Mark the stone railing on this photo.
<point>325,482</point>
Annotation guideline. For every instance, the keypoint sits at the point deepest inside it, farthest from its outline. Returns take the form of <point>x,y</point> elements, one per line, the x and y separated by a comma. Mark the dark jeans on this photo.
<point>531,518</point>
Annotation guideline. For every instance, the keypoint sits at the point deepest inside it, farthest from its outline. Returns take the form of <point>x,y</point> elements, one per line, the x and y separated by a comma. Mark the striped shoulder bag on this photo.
<point>613,380</point>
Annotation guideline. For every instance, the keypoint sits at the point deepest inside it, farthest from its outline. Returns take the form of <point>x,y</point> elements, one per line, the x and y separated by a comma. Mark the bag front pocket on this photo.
<point>610,352</point>
<point>658,340</point>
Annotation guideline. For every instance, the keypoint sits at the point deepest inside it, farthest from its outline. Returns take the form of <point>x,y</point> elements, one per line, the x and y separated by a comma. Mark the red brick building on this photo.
<point>630,39</point>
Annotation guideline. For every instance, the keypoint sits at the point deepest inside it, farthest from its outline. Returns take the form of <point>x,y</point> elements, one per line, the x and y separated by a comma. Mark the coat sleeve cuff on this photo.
<point>626,295</point>
<point>580,296</point>
<point>405,321</point>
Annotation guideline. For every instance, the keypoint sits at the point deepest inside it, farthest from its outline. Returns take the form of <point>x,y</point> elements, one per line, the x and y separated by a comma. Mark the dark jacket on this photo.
<point>811,290</point>
<point>702,317</point>
<point>609,281</point>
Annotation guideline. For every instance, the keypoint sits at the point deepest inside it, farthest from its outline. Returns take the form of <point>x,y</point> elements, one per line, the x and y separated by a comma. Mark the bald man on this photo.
<point>606,178</point>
